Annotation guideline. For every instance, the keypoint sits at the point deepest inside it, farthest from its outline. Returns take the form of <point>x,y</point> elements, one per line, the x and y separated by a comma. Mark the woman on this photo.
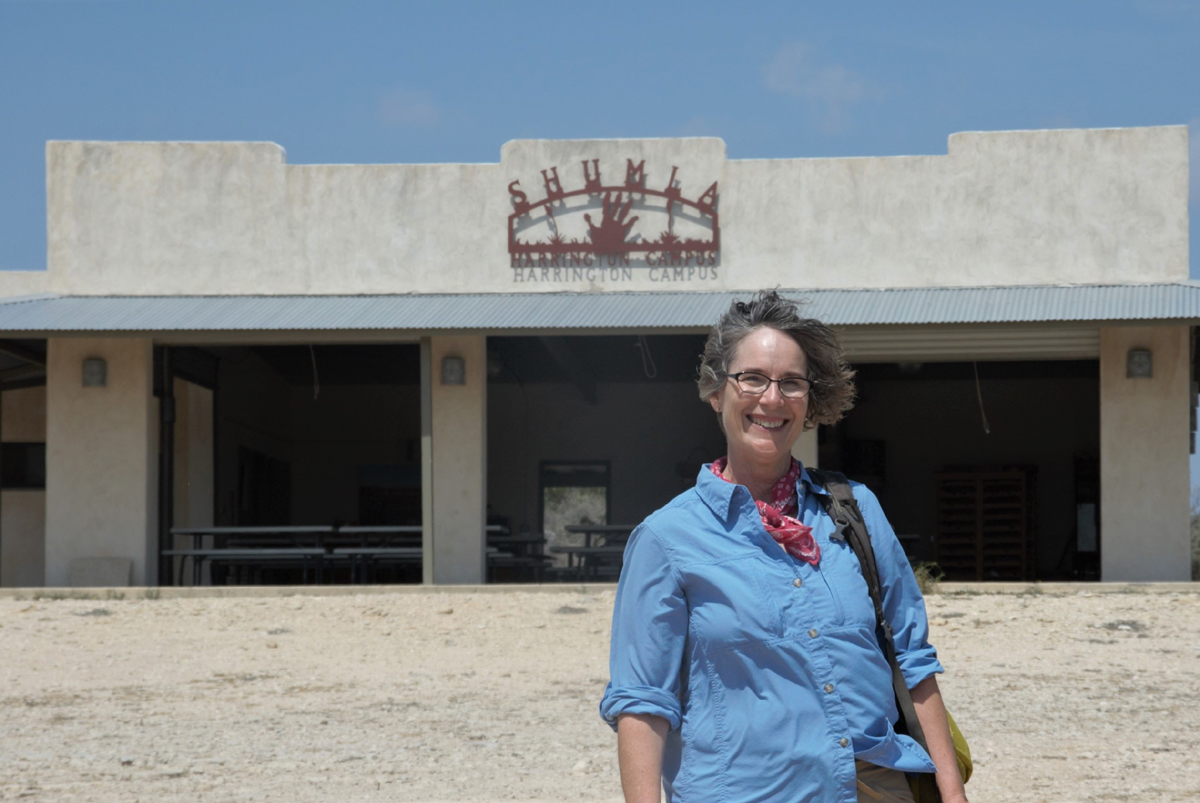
<point>744,661</point>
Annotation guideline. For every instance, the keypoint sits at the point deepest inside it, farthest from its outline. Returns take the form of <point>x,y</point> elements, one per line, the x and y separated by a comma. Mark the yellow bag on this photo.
<point>962,752</point>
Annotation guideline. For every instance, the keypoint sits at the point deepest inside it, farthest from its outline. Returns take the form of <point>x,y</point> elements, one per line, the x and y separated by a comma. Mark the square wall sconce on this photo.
<point>95,372</point>
<point>1139,364</point>
<point>454,371</point>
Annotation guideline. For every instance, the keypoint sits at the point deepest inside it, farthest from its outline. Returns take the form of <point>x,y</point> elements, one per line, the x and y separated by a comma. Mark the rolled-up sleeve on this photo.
<point>649,630</point>
<point>903,604</point>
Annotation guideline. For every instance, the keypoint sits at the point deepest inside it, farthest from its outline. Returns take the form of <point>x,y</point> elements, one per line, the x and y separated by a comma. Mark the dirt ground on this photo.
<point>486,697</point>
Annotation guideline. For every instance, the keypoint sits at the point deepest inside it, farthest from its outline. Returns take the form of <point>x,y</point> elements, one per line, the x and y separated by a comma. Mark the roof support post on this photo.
<point>101,465</point>
<point>454,392</point>
<point>1144,433</point>
<point>426,461</point>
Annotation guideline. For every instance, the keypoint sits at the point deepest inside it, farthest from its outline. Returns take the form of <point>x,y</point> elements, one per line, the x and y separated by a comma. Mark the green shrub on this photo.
<point>1195,544</point>
<point>929,575</point>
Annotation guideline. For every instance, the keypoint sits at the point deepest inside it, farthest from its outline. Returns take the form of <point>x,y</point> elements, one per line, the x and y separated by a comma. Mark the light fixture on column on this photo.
<point>454,371</point>
<point>1139,364</point>
<point>95,372</point>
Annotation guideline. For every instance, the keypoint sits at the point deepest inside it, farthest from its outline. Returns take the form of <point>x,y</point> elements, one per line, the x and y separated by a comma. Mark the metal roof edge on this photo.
<point>30,297</point>
<point>610,311</point>
<point>1188,283</point>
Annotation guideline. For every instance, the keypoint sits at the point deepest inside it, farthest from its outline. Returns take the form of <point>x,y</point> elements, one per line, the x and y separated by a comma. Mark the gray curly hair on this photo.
<point>832,379</point>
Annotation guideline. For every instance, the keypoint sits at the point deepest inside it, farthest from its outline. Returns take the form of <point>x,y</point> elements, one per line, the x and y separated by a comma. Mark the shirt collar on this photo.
<point>718,493</point>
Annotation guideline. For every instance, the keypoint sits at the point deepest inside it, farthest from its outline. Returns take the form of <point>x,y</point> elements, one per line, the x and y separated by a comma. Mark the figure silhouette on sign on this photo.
<point>609,236</point>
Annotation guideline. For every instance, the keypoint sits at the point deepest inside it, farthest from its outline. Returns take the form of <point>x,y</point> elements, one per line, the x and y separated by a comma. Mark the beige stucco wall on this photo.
<point>459,457</point>
<point>23,415</point>
<point>1023,207</point>
<point>22,538</point>
<point>194,492</point>
<point>101,457</point>
<point>805,448</point>
<point>23,282</point>
<point>22,511</point>
<point>193,455</point>
<point>1144,476</point>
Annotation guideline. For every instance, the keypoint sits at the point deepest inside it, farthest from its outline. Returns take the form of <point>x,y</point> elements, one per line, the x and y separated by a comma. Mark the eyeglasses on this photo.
<point>794,387</point>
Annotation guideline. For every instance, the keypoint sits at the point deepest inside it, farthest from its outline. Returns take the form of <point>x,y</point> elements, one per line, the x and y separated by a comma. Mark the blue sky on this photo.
<point>451,81</point>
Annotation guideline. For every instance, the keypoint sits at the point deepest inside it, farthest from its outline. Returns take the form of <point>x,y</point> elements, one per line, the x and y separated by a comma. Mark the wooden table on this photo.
<point>611,533</point>
<point>361,545</point>
<point>590,558</point>
<point>198,556</point>
<point>291,534</point>
<point>361,558</point>
<point>518,552</point>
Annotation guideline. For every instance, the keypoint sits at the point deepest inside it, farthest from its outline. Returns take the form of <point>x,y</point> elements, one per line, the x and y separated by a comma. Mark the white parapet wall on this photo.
<point>101,457</point>
<point>999,208</point>
<point>1144,481</point>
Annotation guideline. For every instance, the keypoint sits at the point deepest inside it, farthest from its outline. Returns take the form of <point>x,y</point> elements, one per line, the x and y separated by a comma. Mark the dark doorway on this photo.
<point>316,448</point>
<point>597,427</point>
<point>1001,470</point>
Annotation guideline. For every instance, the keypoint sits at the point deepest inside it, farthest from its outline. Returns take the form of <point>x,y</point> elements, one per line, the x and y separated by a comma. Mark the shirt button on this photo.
<point>797,582</point>
<point>812,634</point>
<point>844,742</point>
<point>829,689</point>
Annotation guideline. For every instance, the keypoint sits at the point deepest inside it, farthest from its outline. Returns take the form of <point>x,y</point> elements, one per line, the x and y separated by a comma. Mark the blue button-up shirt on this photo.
<point>767,668</point>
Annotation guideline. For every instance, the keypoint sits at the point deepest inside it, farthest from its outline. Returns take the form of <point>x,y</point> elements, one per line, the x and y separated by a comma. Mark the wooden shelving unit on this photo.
<point>985,524</point>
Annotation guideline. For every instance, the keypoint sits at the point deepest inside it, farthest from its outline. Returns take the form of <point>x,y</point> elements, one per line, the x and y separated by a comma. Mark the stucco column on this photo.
<point>1144,472</point>
<point>454,446</point>
<point>194,471</point>
<point>101,457</point>
<point>23,510</point>
<point>805,448</point>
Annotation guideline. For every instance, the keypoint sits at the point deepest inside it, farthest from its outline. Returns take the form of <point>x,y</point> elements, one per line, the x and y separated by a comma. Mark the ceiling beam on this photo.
<point>14,349</point>
<point>22,373</point>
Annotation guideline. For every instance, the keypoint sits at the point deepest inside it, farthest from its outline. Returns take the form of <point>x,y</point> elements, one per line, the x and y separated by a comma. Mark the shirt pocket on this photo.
<point>730,603</point>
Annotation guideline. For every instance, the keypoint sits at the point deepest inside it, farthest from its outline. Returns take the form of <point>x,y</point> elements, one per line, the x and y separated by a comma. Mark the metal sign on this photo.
<point>627,224</point>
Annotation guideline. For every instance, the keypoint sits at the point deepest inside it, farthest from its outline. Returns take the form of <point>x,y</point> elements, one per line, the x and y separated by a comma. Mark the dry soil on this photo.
<point>488,697</point>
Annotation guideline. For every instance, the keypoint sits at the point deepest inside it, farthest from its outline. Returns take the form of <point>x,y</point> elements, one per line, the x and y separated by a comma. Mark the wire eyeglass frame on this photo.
<point>792,392</point>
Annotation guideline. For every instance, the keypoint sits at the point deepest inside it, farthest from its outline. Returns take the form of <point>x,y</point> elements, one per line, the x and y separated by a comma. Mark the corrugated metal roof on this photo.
<point>987,341</point>
<point>613,310</point>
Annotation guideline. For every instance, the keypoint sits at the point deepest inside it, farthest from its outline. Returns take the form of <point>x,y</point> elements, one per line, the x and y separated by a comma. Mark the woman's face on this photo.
<point>763,428</point>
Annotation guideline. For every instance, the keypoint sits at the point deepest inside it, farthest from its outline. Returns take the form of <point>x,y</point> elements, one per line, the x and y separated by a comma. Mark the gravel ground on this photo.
<point>487,697</point>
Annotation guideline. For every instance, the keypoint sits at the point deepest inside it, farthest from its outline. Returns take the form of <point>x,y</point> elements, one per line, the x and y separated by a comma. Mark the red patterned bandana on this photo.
<point>794,535</point>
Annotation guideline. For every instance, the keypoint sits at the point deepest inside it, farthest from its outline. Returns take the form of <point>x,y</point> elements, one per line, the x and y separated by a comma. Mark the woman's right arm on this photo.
<point>650,628</point>
<point>640,740</point>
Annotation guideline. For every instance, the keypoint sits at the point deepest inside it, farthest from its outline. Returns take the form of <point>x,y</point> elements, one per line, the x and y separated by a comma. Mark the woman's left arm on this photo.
<point>904,608</point>
<point>903,604</point>
<point>932,715</point>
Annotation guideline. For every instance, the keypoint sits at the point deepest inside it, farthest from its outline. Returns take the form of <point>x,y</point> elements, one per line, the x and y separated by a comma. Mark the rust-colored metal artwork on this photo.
<point>611,216</point>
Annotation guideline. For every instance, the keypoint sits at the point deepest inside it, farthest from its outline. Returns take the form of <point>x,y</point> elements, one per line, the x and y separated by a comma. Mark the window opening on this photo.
<point>572,493</point>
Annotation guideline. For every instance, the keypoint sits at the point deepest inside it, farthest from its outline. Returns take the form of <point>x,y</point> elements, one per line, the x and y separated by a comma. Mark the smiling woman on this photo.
<point>744,654</point>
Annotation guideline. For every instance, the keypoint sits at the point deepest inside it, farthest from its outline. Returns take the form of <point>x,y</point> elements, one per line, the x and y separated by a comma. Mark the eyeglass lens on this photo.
<point>757,383</point>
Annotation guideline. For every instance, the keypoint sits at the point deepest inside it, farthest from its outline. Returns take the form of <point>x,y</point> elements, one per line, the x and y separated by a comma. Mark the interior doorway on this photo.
<point>294,449</point>
<point>588,435</point>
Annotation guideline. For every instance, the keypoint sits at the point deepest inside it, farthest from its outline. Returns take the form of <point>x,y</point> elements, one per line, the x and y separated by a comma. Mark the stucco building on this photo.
<point>222,338</point>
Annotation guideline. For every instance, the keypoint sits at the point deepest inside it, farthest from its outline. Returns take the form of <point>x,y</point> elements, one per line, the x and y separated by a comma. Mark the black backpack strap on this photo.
<point>842,507</point>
